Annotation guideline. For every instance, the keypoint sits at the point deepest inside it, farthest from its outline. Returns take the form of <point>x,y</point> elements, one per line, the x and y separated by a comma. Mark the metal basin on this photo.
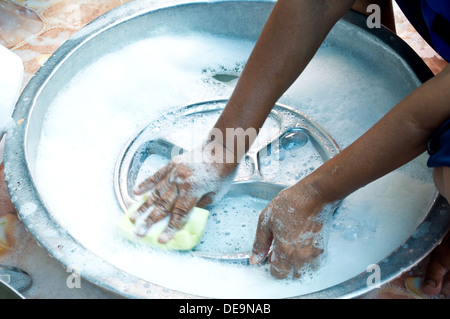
<point>239,19</point>
<point>7,292</point>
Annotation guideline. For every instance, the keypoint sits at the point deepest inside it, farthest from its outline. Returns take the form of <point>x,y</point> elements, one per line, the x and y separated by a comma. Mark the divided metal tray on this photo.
<point>295,130</point>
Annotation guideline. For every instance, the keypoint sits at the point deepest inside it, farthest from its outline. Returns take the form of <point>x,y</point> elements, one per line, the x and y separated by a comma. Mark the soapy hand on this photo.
<point>292,226</point>
<point>186,181</point>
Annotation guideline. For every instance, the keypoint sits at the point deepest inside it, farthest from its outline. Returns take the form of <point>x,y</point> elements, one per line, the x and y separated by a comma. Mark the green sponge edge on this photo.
<point>184,240</point>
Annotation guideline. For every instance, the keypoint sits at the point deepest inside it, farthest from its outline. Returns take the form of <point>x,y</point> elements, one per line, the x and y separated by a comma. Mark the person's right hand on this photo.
<point>183,183</point>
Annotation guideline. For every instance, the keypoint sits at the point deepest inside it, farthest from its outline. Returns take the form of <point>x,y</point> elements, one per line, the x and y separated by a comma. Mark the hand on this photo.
<point>292,224</point>
<point>186,181</point>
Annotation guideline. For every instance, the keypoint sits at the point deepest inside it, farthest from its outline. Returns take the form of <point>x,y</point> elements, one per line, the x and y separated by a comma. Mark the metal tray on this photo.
<point>295,130</point>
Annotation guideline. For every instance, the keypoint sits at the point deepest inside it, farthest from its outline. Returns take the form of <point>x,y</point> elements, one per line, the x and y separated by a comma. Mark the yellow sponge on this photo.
<point>185,239</point>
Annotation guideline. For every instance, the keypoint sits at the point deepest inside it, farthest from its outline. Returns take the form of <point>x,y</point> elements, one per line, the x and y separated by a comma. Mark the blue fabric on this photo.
<point>437,18</point>
<point>431,18</point>
<point>439,147</point>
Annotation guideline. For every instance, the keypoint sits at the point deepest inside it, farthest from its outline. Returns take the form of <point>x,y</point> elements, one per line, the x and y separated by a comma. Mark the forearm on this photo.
<point>396,139</point>
<point>289,40</point>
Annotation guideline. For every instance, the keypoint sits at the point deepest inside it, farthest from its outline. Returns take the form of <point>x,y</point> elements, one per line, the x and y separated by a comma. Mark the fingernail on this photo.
<point>134,217</point>
<point>140,231</point>
<point>136,190</point>
<point>166,236</point>
<point>256,258</point>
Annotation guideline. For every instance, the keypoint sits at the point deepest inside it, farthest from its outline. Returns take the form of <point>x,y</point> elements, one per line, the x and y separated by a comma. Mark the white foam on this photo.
<point>150,166</point>
<point>95,115</point>
<point>232,225</point>
<point>290,165</point>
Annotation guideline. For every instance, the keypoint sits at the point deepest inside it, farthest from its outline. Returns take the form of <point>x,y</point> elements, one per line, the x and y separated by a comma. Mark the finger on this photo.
<point>310,261</point>
<point>178,217</point>
<point>205,200</point>
<point>298,265</point>
<point>167,198</point>
<point>151,199</point>
<point>263,238</point>
<point>148,219</point>
<point>157,209</point>
<point>297,273</point>
<point>152,181</point>
<point>279,267</point>
<point>140,210</point>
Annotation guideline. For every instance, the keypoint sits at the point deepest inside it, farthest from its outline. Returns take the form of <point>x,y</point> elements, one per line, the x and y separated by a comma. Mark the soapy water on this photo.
<point>150,166</point>
<point>233,219</point>
<point>232,225</point>
<point>288,163</point>
<point>284,160</point>
<point>192,129</point>
<point>115,96</point>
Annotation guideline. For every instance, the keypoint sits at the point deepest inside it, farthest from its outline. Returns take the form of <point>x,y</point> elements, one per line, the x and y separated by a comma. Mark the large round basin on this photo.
<point>146,58</point>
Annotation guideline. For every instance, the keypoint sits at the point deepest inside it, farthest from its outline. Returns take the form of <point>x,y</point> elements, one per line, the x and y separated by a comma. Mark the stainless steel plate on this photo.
<point>295,130</point>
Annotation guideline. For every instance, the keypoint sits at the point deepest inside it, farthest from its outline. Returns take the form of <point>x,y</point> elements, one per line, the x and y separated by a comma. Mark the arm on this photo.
<point>400,136</point>
<point>396,139</point>
<point>290,38</point>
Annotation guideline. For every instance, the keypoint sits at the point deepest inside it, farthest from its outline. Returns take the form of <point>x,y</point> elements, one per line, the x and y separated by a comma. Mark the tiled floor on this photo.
<point>34,29</point>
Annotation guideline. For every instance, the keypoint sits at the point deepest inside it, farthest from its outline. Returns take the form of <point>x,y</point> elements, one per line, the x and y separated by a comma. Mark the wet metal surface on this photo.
<point>23,139</point>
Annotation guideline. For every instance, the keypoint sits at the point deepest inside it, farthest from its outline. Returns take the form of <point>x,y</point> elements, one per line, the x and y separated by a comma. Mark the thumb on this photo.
<point>263,238</point>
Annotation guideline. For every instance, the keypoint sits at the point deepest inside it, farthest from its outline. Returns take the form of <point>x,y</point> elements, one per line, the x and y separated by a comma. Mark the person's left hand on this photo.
<point>291,225</point>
